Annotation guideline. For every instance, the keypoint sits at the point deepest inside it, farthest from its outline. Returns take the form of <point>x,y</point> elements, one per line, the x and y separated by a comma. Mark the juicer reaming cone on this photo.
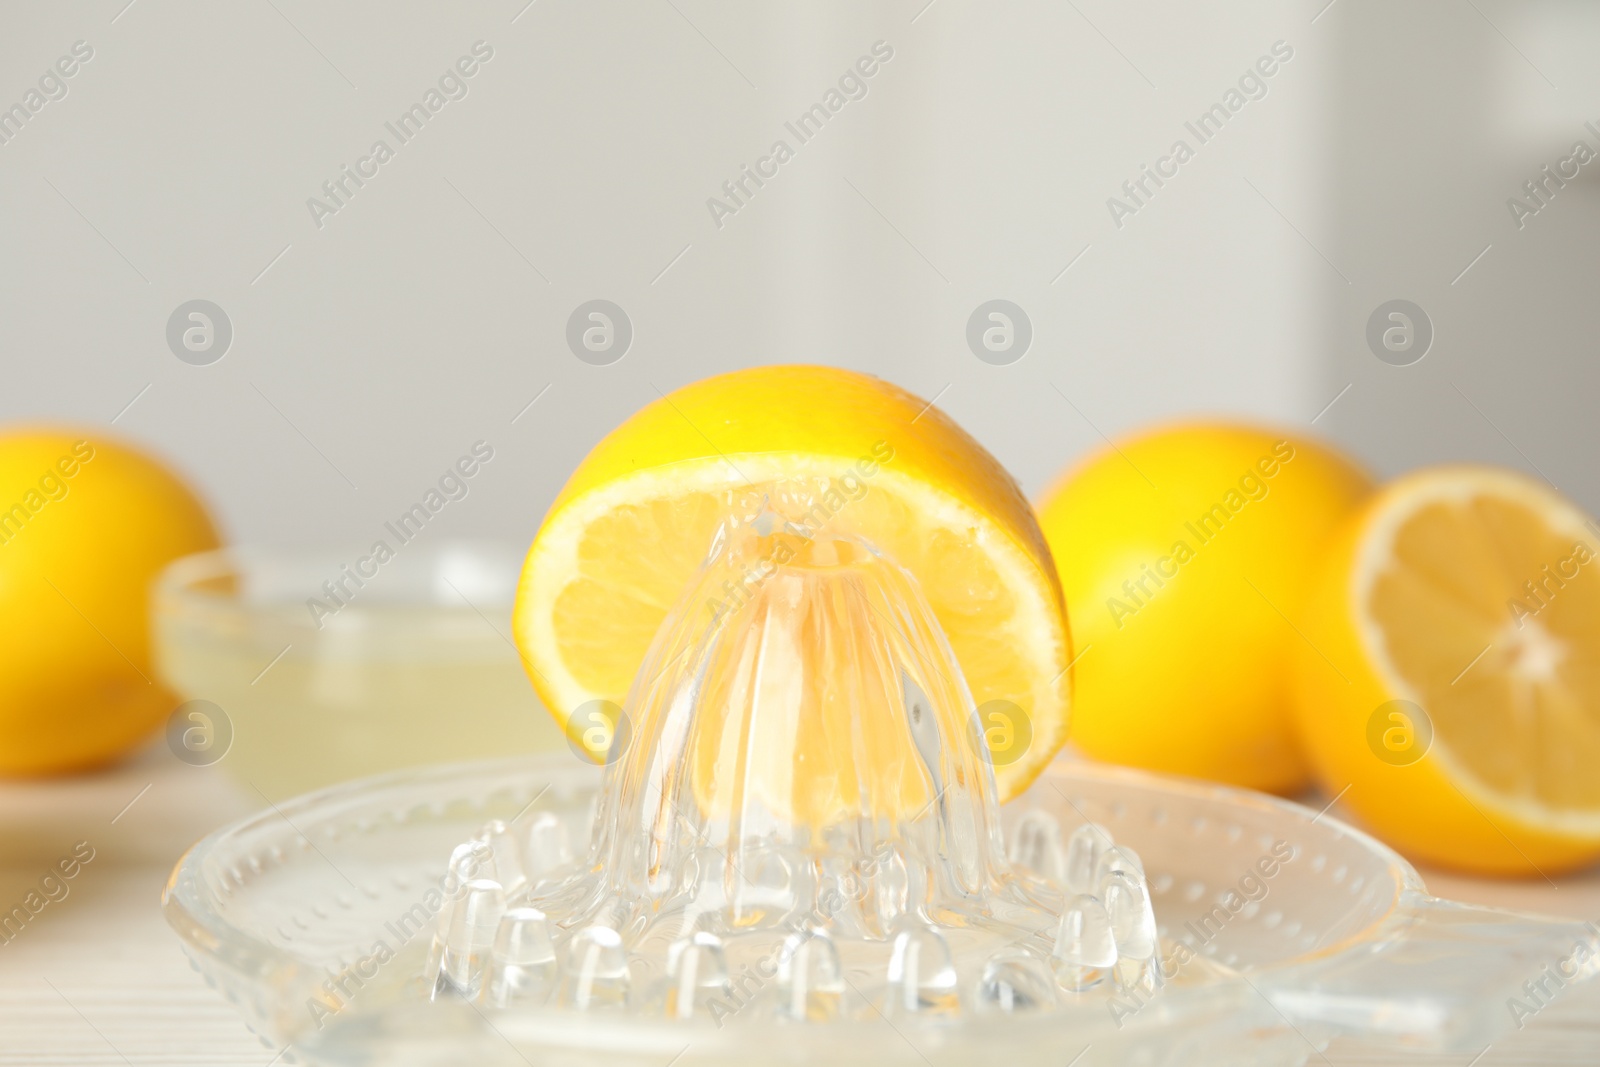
<point>799,821</point>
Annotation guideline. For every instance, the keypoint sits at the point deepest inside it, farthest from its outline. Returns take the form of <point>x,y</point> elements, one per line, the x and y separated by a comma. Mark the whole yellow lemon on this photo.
<point>86,522</point>
<point>1183,553</point>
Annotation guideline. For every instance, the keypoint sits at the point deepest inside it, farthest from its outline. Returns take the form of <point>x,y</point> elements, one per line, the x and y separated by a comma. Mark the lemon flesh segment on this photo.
<point>603,574</point>
<point>1481,600</point>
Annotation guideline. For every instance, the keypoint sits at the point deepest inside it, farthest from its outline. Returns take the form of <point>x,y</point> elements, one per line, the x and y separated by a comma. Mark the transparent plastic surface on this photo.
<point>319,922</point>
<point>795,855</point>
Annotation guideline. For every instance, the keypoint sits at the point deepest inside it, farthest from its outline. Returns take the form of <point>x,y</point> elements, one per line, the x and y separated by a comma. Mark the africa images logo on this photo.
<point>1252,85</point>
<point>1254,485</point>
<point>852,85</point>
<point>52,86</point>
<point>452,85</point>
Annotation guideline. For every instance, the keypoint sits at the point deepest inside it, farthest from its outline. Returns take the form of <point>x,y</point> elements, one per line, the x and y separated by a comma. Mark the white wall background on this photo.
<point>412,323</point>
<point>1439,113</point>
<point>431,309</point>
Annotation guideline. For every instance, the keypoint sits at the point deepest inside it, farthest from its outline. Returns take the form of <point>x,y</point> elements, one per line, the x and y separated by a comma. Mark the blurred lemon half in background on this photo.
<point>1450,680</point>
<point>86,522</point>
<point>1183,552</point>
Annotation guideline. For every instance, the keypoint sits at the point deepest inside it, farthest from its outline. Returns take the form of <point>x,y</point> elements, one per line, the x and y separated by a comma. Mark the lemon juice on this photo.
<point>418,669</point>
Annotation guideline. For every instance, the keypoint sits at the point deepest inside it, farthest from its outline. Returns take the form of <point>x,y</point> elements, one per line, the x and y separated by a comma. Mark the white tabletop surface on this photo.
<point>98,977</point>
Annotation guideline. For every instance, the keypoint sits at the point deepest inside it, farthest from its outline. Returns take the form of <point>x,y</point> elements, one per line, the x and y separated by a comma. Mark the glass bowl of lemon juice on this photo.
<point>300,667</point>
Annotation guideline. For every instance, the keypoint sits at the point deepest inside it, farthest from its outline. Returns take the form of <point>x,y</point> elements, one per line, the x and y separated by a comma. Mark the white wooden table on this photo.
<point>97,978</point>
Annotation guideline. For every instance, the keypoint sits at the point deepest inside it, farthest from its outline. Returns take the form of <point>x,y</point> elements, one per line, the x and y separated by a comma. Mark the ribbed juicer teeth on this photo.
<point>802,825</point>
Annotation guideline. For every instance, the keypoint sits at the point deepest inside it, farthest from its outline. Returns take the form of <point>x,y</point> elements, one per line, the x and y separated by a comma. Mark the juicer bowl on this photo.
<point>323,664</point>
<point>1281,929</point>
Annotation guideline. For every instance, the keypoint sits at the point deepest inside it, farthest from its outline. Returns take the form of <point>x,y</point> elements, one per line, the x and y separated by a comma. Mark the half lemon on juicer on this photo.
<point>820,452</point>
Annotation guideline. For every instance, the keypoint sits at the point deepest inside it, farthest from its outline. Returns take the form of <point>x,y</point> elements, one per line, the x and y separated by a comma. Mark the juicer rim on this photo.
<point>189,906</point>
